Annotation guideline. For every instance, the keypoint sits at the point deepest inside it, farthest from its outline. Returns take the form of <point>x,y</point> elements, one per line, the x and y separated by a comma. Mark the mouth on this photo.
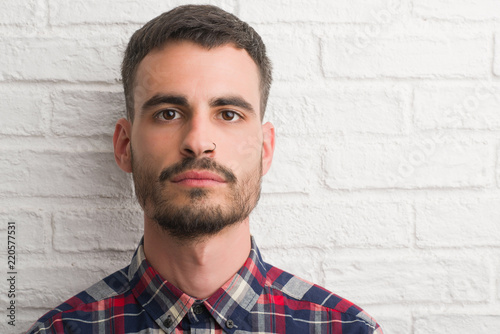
<point>198,179</point>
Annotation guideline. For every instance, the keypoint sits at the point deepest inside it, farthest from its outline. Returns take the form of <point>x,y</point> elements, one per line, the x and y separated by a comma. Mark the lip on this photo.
<point>198,178</point>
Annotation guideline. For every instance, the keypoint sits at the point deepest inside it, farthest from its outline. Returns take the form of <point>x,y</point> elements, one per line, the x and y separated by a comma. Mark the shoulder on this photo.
<point>303,297</point>
<point>112,290</point>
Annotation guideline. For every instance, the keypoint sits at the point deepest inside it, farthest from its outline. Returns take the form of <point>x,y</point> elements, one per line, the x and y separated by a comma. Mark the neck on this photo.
<point>197,267</point>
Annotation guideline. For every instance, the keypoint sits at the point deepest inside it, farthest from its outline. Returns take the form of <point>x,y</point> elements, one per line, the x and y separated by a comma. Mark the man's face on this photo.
<point>197,145</point>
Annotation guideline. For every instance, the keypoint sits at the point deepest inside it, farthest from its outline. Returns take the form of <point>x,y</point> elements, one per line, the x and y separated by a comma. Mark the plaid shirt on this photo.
<point>260,298</point>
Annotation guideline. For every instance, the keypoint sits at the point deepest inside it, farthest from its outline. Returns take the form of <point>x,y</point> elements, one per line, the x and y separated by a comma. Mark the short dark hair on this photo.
<point>205,25</point>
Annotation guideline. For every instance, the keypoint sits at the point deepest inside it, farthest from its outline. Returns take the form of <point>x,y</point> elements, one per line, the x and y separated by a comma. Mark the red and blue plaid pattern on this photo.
<point>260,298</point>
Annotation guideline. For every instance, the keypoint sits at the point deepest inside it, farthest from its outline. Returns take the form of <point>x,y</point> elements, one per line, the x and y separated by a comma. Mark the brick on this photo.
<point>83,230</point>
<point>43,281</point>
<point>408,56</point>
<point>457,10</point>
<point>446,223</point>
<point>393,324</point>
<point>61,59</point>
<point>86,113</point>
<point>408,280</point>
<point>361,224</point>
<point>23,111</point>
<point>289,48</point>
<point>343,109</point>
<point>21,12</point>
<point>463,107</point>
<point>32,231</point>
<point>346,11</point>
<point>498,279</point>
<point>431,162</point>
<point>52,284</point>
<point>457,323</point>
<point>496,64</point>
<point>498,168</point>
<point>292,170</point>
<point>117,11</point>
<point>66,174</point>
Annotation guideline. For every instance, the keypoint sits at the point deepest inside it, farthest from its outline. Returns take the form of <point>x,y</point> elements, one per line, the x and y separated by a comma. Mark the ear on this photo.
<point>267,146</point>
<point>121,144</point>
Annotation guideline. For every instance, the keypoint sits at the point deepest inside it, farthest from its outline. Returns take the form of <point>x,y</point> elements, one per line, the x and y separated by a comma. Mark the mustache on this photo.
<point>199,164</point>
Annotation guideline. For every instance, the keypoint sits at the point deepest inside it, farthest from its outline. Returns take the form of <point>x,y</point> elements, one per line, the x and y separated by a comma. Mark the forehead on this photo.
<point>185,68</point>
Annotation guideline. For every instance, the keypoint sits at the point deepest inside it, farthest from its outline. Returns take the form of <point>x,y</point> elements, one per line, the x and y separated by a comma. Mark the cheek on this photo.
<point>144,160</point>
<point>246,156</point>
<point>154,148</point>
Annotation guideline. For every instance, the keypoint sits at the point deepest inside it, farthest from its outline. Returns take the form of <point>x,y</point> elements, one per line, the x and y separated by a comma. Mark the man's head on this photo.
<point>205,25</point>
<point>197,147</point>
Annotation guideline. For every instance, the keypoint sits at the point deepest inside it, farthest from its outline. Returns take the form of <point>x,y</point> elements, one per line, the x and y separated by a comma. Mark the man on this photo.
<point>196,83</point>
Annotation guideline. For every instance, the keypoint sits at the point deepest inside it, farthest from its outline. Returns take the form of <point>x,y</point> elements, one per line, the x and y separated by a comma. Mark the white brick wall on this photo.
<point>479,10</point>
<point>385,184</point>
<point>408,56</point>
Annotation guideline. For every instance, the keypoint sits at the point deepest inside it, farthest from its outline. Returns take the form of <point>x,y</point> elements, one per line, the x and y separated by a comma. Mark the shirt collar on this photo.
<point>168,305</point>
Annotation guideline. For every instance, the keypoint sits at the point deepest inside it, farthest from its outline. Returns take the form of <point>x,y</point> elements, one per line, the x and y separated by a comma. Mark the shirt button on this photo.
<point>169,321</point>
<point>229,324</point>
<point>198,309</point>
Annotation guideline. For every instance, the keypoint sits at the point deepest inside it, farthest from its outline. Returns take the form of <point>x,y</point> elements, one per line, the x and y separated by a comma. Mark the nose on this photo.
<point>197,140</point>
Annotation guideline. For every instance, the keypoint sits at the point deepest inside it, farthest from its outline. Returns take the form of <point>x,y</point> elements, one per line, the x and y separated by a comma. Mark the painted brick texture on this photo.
<point>417,56</point>
<point>481,10</point>
<point>23,12</point>
<point>385,181</point>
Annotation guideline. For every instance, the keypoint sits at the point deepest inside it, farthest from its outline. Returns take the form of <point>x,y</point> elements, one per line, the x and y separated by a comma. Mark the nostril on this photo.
<point>189,151</point>
<point>197,148</point>
<point>210,150</point>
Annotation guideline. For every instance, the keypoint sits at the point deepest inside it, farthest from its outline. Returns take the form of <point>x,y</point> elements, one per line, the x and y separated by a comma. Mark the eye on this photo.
<point>229,115</point>
<point>167,115</point>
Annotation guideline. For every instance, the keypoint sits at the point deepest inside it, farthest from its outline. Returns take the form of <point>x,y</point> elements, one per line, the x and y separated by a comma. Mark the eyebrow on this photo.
<point>232,101</point>
<point>165,99</point>
<point>182,101</point>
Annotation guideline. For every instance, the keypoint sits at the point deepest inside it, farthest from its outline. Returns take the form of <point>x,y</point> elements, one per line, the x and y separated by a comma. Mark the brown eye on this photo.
<point>229,115</point>
<point>168,114</point>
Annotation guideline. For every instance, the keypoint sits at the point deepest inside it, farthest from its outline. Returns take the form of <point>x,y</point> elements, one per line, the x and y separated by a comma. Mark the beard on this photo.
<point>200,217</point>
